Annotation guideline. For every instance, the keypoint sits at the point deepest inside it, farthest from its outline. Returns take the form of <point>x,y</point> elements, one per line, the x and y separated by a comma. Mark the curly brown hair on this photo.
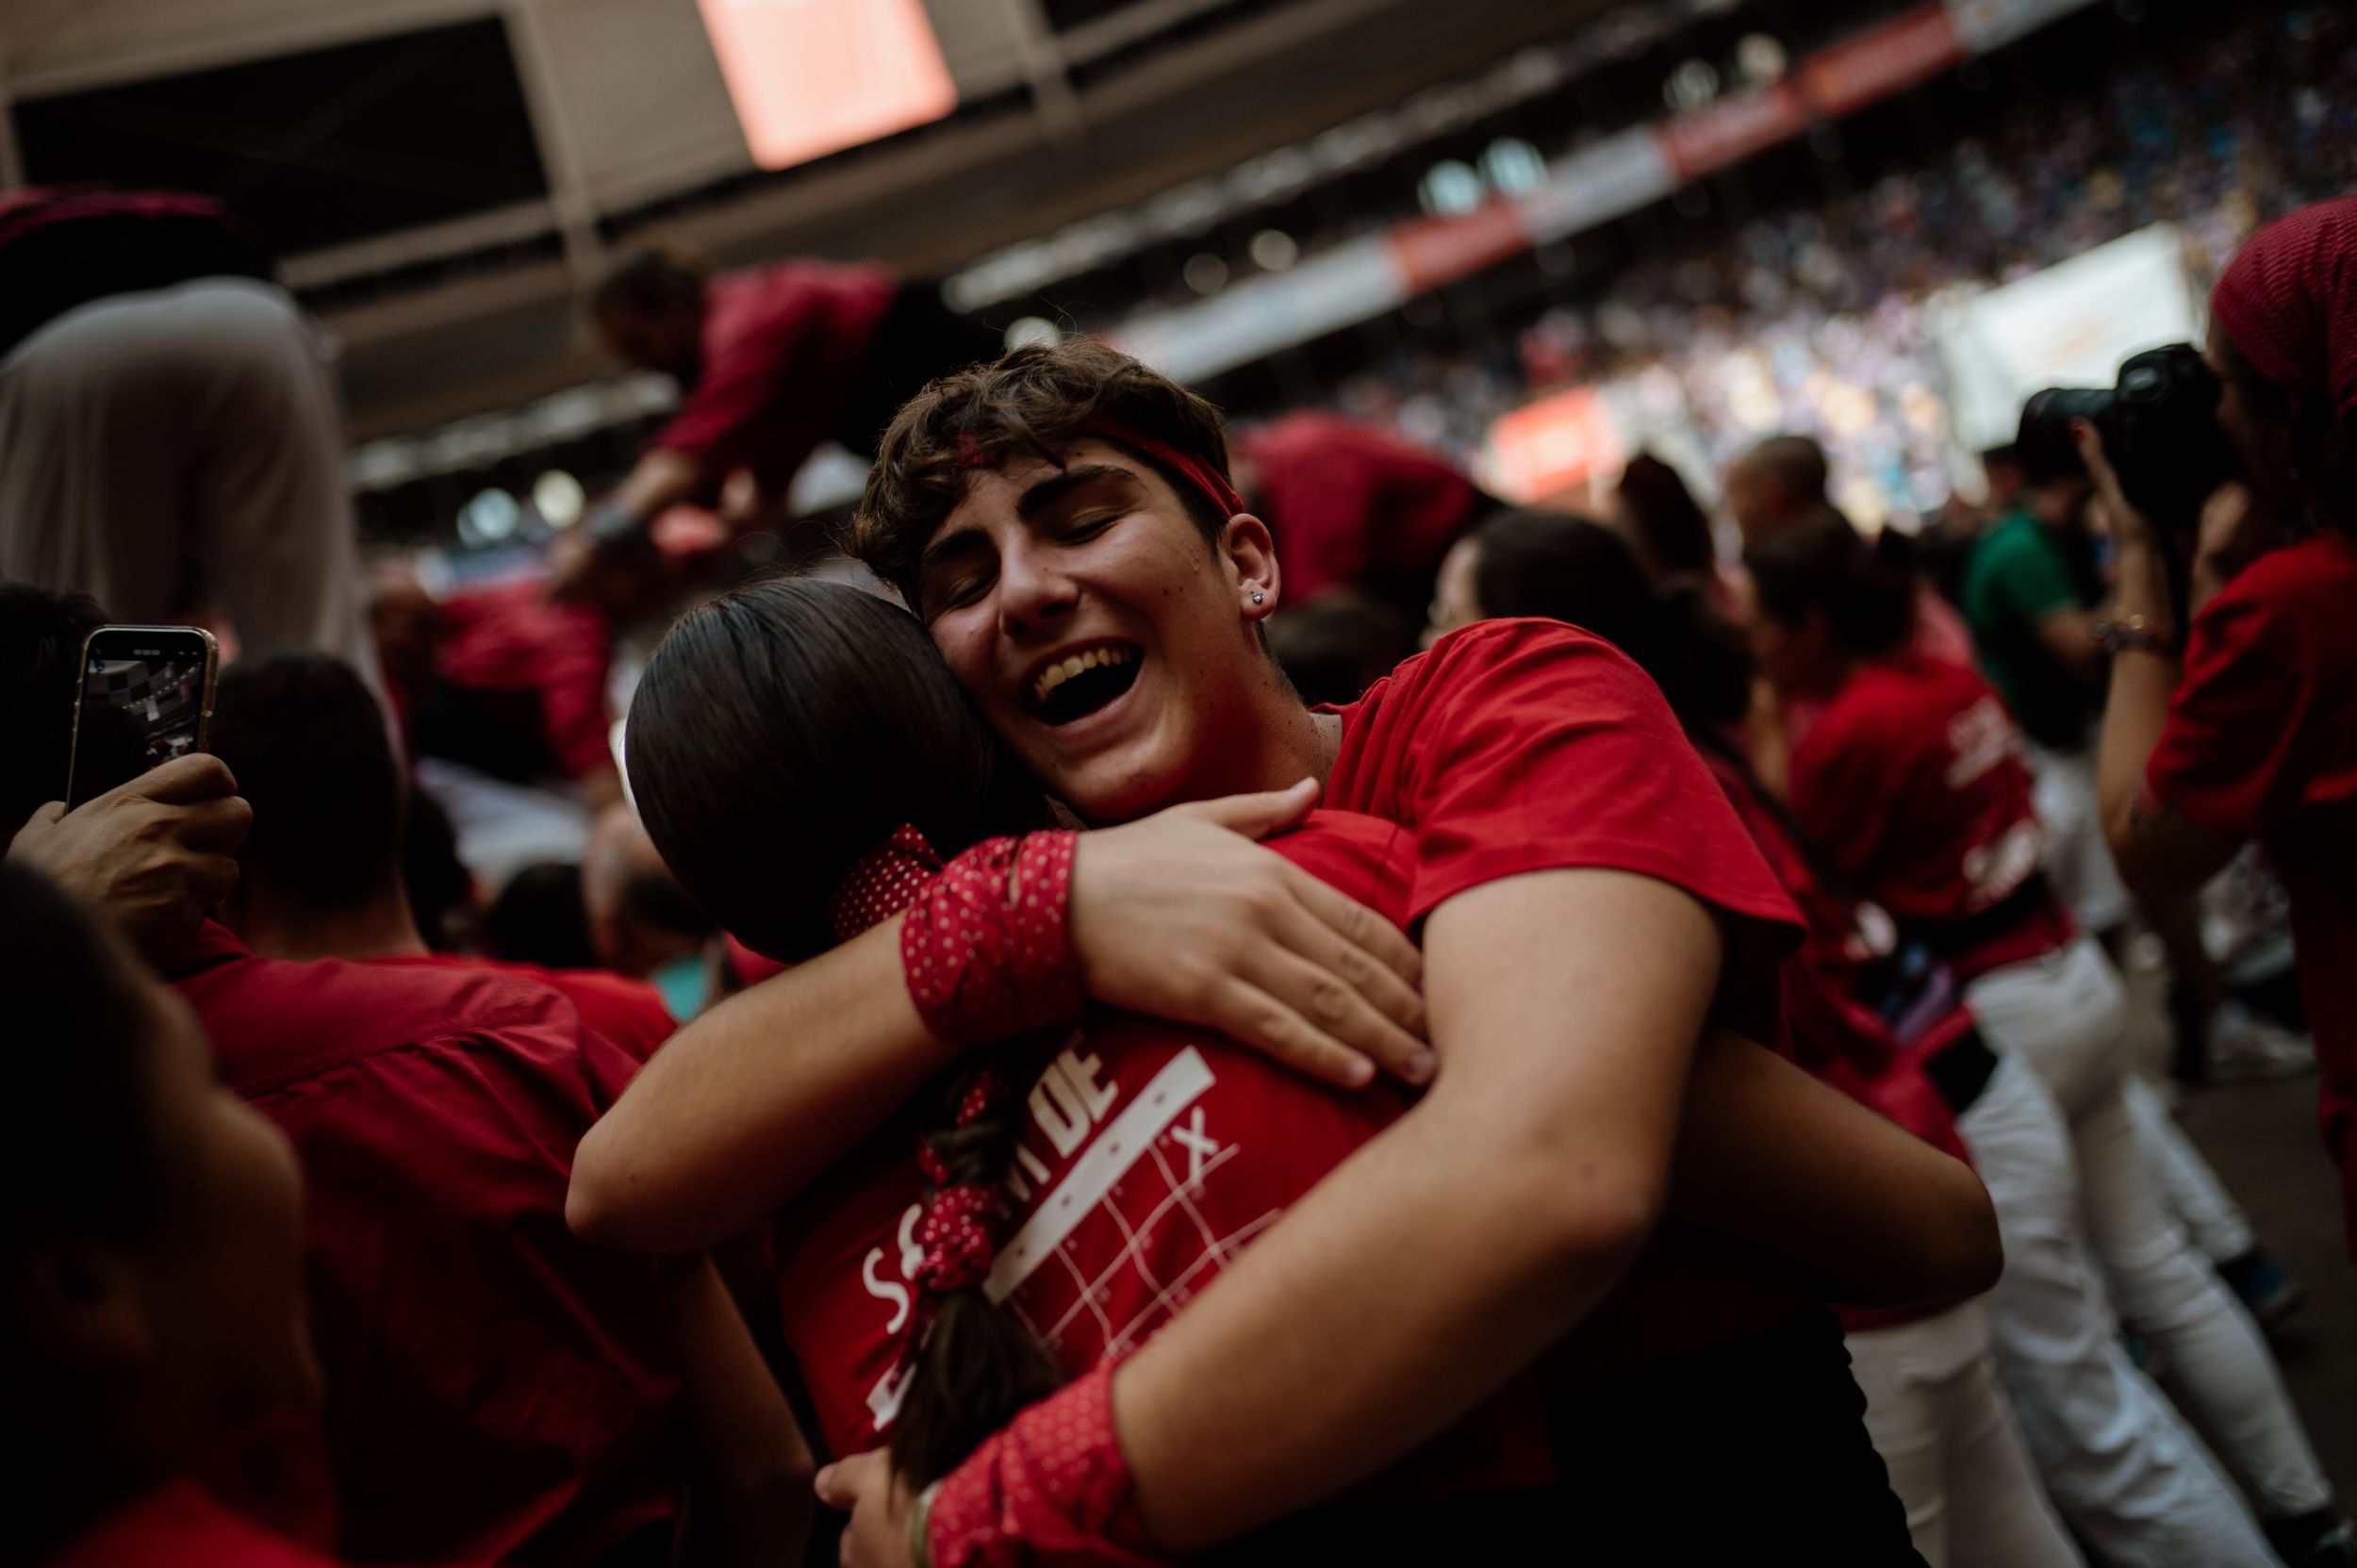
<point>1036,401</point>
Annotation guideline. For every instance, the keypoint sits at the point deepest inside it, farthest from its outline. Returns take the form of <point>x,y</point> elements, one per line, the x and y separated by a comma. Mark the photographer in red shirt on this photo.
<point>2243,724</point>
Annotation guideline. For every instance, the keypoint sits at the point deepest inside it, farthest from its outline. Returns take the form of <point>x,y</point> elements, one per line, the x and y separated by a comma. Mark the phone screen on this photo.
<point>146,694</point>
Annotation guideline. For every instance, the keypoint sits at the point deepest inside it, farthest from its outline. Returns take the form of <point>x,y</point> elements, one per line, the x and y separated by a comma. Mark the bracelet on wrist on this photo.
<point>985,949</point>
<point>2133,634</point>
<point>920,1522</point>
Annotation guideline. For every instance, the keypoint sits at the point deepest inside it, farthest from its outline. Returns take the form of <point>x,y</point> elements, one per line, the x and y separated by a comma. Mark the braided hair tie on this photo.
<point>957,1235</point>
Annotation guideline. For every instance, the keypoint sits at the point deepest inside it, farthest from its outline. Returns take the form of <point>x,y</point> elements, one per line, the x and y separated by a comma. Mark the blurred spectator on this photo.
<point>2252,732</point>
<point>323,865</point>
<point>772,362</point>
<point>1820,316</point>
<point>1655,512</point>
<point>168,420</point>
<point>1339,644</point>
<point>640,920</point>
<point>521,674</point>
<point>1775,484</point>
<point>154,1227</point>
<point>539,918</point>
<point>1351,502</point>
<point>1912,781</point>
<point>496,1387</point>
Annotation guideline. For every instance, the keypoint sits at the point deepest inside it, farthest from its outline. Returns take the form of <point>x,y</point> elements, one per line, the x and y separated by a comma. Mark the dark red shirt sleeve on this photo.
<point>2249,724</point>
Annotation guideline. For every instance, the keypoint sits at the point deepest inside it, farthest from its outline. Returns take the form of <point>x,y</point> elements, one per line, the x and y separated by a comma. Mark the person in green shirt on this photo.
<point>2027,590</point>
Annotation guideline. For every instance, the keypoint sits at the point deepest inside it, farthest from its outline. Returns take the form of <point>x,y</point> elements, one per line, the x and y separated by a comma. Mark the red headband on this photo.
<point>2288,301</point>
<point>1207,480</point>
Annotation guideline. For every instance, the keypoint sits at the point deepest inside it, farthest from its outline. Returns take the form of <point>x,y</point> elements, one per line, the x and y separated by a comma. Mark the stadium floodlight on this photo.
<point>1273,250</point>
<point>1449,188</point>
<point>491,516</point>
<point>1205,273</point>
<point>1691,86</point>
<point>1513,167</point>
<point>1759,57</point>
<point>1032,332</point>
<point>557,497</point>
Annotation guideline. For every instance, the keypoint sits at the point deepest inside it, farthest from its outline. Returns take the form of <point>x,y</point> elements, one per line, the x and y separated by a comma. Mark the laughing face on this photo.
<point>1103,638</point>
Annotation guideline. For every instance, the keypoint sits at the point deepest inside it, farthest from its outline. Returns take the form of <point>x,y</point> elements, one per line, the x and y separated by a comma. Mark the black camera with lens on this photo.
<point>2160,431</point>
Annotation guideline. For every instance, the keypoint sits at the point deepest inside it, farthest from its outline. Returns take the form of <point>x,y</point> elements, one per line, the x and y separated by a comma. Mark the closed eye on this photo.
<point>1088,528</point>
<point>964,591</point>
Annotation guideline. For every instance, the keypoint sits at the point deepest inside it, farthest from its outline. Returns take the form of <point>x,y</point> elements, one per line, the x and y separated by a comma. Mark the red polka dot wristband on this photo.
<point>986,947</point>
<point>1051,1487</point>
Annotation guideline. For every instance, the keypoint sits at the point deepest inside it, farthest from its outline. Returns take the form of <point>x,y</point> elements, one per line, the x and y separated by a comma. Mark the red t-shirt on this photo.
<point>628,1012</point>
<point>1155,1153</point>
<point>2261,743</point>
<point>496,1388</point>
<point>178,1524</point>
<point>1940,634</point>
<point>1352,502</point>
<point>543,662</point>
<point>782,345</point>
<point>1516,746</point>
<point>1912,779</point>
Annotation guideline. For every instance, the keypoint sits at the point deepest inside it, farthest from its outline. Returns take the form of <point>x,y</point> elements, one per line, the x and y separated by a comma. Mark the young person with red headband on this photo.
<point>1915,781</point>
<point>2244,724</point>
<point>1070,501</point>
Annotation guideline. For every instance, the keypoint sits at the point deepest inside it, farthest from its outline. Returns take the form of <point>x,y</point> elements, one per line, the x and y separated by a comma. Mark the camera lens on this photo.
<point>2044,445</point>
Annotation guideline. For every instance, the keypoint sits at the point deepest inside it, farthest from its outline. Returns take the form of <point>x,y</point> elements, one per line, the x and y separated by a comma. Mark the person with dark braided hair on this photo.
<point>793,704</point>
<point>920,1294</point>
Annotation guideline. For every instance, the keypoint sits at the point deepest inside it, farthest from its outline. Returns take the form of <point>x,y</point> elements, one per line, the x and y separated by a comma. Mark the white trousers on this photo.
<point>2194,1195</point>
<point>2077,858</point>
<point>2061,1016</point>
<point>180,441</point>
<point>2134,1483</point>
<point>1946,1434</point>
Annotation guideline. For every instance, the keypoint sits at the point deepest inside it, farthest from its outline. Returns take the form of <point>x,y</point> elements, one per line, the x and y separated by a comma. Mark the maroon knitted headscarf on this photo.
<point>2288,301</point>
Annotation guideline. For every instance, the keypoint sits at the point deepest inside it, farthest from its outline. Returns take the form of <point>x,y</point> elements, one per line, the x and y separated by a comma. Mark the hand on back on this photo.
<point>1182,916</point>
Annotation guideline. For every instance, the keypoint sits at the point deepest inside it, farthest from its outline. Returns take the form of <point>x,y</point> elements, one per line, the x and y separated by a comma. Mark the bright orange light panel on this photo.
<point>813,76</point>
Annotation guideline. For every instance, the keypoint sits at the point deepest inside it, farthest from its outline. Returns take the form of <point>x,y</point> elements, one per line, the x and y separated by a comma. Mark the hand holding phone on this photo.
<point>153,855</point>
<point>145,697</point>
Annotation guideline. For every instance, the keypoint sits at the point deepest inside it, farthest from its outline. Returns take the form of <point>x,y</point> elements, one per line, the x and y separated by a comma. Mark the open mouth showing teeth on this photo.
<point>1079,684</point>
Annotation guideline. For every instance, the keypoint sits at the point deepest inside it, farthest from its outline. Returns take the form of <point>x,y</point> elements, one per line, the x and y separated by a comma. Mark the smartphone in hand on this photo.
<point>145,696</point>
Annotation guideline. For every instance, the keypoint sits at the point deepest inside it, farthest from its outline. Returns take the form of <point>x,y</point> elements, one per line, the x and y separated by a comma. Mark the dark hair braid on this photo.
<point>974,1363</point>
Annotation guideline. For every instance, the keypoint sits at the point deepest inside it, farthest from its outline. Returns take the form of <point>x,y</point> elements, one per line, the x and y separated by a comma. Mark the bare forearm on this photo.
<point>1471,1235</point>
<point>1771,1157</point>
<point>751,1472</point>
<point>2136,711</point>
<point>1414,1281</point>
<point>751,1102</point>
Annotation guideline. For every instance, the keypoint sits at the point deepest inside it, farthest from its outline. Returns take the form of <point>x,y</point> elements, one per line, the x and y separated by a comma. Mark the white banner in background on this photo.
<point>2070,325</point>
